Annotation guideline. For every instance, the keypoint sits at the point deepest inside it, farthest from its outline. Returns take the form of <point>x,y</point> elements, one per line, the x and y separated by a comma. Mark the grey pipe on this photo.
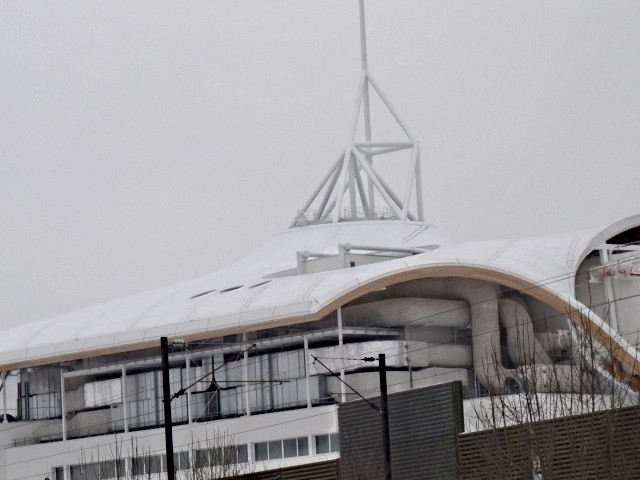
<point>410,312</point>
<point>522,344</point>
<point>556,344</point>
<point>485,327</point>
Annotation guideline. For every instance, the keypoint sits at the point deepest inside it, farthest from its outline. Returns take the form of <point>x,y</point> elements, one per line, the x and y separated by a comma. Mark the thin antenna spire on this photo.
<point>365,103</point>
<point>363,37</point>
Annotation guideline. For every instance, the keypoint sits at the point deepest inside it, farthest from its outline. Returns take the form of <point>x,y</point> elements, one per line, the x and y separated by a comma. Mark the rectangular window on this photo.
<point>107,470</point>
<point>157,464</point>
<point>275,450</point>
<point>121,469</point>
<point>290,448</point>
<point>137,466</point>
<point>76,472</point>
<point>219,456</point>
<point>334,440</point>
<point>295,447</point>
<point>181,460</point>
<point>227,455</point>
<point>322,444</point>
<point>148,465</point>
<point>80,472</point>
<point>303,446</point>
<point>261,451</point>
<point>243,454</point>
<point>327,443</point>
<point>202,458</point>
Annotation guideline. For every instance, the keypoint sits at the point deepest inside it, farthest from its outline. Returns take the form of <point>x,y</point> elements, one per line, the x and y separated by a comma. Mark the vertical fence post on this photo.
<point>384,404</point>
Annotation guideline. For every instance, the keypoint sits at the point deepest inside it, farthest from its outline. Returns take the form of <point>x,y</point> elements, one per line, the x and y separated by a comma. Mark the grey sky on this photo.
<point>144,143</point>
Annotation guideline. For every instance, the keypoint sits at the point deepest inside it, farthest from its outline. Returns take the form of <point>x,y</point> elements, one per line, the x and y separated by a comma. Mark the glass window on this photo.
<point>243,454</point>
<point>137,466</point>
<point>275,450</point>
<point>76,472</point>
<point>226,455</point>
<point>147,465</point>
<point>58,473</point>
<point>107,470</point>
<point>303,446</point>
<point>219,456</point>
<point>261,451</point>
<point>181,460</point>
<point>322,444</point>
<point>90,470</point>
<point>202,458</point>
<point>334,439</point>
<point>157,464</point>
<point>120,467</point>
<point>290,448</point>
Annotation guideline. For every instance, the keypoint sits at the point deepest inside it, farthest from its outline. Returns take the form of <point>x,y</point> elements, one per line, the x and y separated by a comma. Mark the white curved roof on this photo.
<point>181,310</point>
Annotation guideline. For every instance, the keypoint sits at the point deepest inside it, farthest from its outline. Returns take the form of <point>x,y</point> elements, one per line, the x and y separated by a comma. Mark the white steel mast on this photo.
<point>356,160</point>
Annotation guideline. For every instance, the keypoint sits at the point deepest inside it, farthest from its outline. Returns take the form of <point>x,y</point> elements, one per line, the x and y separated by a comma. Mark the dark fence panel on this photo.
<point>424,424</point>
<point>599,445</point>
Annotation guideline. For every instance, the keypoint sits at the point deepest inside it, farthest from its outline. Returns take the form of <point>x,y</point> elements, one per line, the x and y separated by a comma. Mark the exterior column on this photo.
<point>343,392</point>
<point>608,289</point>
<point>306,370</point>
<point>4,396</point>
<point>64,409</point>
<point>125,415</point>
<point>245,375</point>
<point>65,467</point>
<point>188,370</point>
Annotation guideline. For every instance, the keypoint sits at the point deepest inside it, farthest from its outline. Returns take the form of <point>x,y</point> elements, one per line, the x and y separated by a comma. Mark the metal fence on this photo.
<point>424,424</point>
<point>599,445</point>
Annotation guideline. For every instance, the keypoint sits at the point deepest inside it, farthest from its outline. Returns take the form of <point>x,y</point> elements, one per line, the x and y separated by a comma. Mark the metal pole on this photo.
<point>363,38</point>
<point>365,101</point>
<point>330,186</point>
<point>392,110</point>
<point>347,150</point>
<point>376,181</point>
<point>397,145</point>
<point>380,150</point>
<point>419,187</point>
<point>384,404</point>
<point>361,192</point>
<point>352,188</point>
<point>334,197</point>
<point>318,189</point>
<point>410,178</point>
<point>383,187</point>
<point>166,393</point>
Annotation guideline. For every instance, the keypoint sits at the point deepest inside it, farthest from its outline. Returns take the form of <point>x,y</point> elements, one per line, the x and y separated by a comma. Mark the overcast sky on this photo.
<point>148,142</point>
